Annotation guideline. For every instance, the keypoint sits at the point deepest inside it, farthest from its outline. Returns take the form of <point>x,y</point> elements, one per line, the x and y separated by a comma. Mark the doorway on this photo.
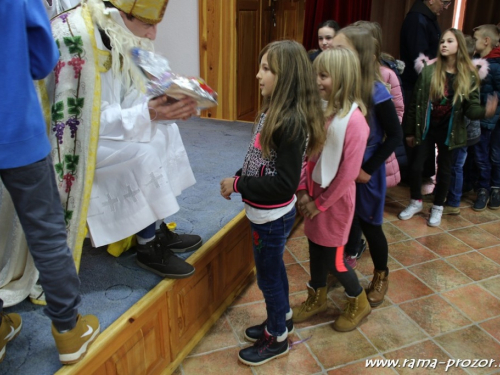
<point>260,22</point>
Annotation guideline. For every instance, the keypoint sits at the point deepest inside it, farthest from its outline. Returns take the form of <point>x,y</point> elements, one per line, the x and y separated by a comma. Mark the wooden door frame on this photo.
<point>218,53</point>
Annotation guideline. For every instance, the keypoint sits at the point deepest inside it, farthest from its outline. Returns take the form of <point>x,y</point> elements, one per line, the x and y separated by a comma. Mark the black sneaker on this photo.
<point>481,200</point>
<point>264,350</point>
<point>362,249</point>
<point>155,257</point>
<point>494,199</point>
<point>254,333</point>
<point>178,243</point>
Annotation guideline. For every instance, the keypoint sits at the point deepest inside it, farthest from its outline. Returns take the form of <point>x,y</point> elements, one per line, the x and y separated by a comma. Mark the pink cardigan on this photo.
<point>331,227</point>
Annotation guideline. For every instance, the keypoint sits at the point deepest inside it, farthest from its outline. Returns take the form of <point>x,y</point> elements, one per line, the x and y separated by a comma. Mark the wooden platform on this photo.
<point>161,329</point>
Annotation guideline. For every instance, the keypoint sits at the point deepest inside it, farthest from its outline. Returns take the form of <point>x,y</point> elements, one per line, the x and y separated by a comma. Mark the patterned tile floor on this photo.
<point>443,303</point>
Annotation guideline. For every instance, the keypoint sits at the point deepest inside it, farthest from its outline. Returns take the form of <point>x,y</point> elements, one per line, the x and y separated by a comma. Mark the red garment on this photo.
<point>331,227</point>
<point>495,52</point>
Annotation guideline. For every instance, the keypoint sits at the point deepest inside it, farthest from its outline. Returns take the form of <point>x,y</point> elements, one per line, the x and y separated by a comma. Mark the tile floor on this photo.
<point>443,303</point>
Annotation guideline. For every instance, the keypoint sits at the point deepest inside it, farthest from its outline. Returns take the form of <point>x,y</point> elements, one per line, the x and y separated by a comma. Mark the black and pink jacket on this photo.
<point>269,183</point>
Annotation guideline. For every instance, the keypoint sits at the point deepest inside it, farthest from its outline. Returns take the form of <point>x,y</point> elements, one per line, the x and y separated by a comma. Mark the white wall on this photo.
<point>178,39</point>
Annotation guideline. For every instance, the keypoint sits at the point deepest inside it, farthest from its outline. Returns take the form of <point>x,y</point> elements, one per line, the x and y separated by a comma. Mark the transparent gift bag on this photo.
<point>161,80</point>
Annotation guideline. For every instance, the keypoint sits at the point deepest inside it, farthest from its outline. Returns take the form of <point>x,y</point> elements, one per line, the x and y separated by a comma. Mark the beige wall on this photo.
<point>178,37</point>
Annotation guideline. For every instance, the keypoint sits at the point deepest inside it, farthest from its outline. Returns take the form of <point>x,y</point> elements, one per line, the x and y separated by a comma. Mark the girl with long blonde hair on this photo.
<point>290,125</point>
<point>445,93</point>
<point>327,191</point>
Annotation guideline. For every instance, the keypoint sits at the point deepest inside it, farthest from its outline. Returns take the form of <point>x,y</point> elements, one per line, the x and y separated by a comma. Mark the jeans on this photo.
<point>495,156</point>
<point>470,170</point>
<point>147,232</point>
<point>458,158</point>
<point>268,247</point>
<point>34,193</point>
<point>482,158</point>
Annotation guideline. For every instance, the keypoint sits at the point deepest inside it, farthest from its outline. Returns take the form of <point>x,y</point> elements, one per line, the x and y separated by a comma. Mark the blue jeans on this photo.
<point>495,156</point>
<point>33,189</point>
<point>457,176</point>
<point>268,247</point>
<point>482,158</point>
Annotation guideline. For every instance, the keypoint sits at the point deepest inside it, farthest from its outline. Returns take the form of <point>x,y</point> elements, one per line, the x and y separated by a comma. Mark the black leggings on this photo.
<point>379,250</point>
<point>324,259</point>
<point>444,162</point>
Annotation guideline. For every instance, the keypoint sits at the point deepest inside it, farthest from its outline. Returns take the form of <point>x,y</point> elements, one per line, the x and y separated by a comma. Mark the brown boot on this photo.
<point>378,287</point>
<point>314,304</point>
<point>356,309</point>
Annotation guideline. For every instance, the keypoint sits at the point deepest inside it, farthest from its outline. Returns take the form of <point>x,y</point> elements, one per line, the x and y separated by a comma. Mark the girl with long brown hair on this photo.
<point>289,127</point>
<point>445,93</point>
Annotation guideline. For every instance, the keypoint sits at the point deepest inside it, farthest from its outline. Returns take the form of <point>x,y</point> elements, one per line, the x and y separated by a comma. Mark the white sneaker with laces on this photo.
<point>414,207</point>
<point>435,218</point>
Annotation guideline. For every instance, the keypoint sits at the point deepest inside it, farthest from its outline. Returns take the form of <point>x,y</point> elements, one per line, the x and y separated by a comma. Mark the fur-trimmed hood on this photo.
<point>481,64</point>
<point>422,61</point>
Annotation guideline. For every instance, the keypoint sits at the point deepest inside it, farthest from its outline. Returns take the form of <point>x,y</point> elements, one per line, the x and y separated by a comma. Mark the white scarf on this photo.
<point>328,163</point>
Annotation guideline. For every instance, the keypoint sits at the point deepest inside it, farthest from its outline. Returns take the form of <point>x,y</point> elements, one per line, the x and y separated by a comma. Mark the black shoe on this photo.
<point>178,243</point>
<point>361,249</point>
<point>264,350</point>
<point>494,199</point>
<point>154,257</point>
<point>481,200</point>
<point>254,333</point>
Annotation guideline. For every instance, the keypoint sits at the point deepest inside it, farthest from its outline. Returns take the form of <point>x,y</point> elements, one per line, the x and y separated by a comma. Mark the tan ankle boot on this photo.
<point>378,287</point>
<point>356,309</point>
<point>314,304</point>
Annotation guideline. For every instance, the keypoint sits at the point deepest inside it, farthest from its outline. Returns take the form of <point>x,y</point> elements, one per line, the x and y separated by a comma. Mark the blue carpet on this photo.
<point>110,286</point>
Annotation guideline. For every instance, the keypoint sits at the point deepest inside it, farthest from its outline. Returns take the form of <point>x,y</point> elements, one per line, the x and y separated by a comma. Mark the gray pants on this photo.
<point>34,193</point>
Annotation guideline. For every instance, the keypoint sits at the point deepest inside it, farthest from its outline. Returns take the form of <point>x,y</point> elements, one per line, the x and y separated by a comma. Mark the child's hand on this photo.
<point>226,187</point>
<point>410,141</point>
<point>491,105</point>
<point>363,177</point>
<point>310,210</point>
<point>302,199</point>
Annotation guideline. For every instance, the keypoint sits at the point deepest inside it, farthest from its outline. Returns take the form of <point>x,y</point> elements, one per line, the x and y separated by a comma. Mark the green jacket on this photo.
<point>417,116</point>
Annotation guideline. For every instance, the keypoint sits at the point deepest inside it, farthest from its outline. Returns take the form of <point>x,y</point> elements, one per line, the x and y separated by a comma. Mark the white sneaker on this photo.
<point>414,207</point>
<point>435,218</point>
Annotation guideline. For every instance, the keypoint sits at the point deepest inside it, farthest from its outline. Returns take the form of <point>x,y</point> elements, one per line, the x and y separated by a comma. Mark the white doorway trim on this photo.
<point>459,13</point>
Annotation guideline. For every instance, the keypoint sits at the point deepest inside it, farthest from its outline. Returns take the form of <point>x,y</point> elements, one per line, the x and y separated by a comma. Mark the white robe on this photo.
<point>132,150</point>
<point>59,6</point>
<point>141,166</point>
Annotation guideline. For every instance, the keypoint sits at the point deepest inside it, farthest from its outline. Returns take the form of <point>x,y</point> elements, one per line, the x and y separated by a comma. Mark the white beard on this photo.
<point>122,41</point>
